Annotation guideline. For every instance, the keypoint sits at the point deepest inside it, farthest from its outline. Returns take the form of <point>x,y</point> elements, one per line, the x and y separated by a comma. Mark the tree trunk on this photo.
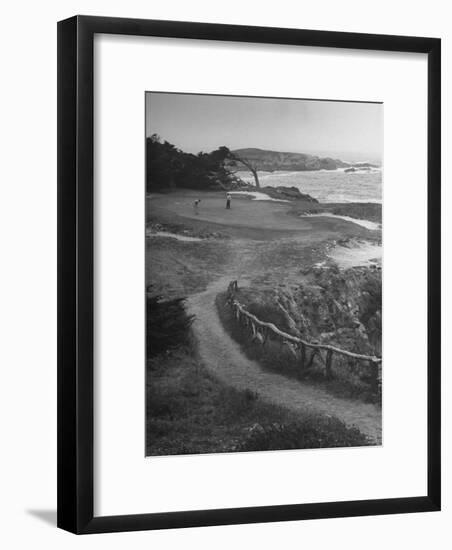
<point>249,166</point>
<point>256,179</point>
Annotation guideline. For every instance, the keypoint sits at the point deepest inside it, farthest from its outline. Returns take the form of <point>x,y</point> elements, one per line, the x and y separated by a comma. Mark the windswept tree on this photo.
<point>234,159</point>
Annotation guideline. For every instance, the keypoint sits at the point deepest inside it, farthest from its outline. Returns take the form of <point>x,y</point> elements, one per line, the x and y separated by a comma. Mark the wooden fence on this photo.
<point>302,350</point>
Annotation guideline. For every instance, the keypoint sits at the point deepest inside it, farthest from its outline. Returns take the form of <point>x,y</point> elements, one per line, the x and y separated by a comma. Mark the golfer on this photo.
<point>196,205</point>
<point>228,201</point>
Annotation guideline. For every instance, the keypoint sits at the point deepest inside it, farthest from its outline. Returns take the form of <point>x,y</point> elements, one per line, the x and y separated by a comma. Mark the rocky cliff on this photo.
<point>270,161</point>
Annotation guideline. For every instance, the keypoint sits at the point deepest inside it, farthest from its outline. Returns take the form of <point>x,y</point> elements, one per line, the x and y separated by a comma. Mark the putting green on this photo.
<point>244,212</point>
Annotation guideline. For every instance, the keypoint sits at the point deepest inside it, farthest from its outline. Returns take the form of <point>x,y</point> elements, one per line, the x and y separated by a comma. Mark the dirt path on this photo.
<point>223,357</point>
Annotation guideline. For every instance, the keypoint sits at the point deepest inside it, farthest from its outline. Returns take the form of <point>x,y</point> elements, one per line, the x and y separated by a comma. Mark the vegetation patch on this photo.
<point>201,232</point>
<point>315,314</point>
<point>190,412</point>
<point>167,324</point>
<point>180,268</point>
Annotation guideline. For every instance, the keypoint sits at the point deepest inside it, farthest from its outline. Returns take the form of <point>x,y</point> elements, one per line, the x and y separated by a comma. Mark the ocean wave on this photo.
<point>358,255</point>
<point>328,185</point>
<point>333,199</point>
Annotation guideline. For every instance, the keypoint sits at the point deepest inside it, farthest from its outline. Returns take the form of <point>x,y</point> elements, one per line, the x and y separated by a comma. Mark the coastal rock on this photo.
<point>341,308</point>
<point>287,193</point>
<point>361,167</point>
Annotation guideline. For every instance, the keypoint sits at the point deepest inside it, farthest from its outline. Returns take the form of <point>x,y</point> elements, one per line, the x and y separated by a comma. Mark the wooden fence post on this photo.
<point>253,331</point>
<point>311,359</point>
<point>379,375</point>
<point>303,356</point>
<point>329,360</point>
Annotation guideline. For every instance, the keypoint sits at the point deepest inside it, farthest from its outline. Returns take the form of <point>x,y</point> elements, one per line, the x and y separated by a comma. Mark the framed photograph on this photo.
<point>249,274</point>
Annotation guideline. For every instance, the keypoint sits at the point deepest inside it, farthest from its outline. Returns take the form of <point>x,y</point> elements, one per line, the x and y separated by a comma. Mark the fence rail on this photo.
<point>298,347</point>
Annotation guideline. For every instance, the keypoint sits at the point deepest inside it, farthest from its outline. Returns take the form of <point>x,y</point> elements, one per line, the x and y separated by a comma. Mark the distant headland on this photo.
<point>270,161</point>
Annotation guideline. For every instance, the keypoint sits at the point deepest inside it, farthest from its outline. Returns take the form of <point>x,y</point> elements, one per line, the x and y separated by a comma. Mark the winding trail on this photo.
<point>222,356</point>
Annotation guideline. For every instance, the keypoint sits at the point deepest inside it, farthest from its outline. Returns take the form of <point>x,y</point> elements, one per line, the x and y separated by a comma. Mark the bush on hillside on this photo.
<point>167,324</point>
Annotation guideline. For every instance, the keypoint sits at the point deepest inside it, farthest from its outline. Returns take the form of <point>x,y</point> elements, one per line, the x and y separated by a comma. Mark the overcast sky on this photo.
<point>351,131</point>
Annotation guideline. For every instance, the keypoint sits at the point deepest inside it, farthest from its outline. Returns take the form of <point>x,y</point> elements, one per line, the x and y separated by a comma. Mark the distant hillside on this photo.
<point>275,160</point>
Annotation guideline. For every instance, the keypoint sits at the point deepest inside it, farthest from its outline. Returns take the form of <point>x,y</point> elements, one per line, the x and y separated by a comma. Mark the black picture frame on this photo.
<point>76,264</point>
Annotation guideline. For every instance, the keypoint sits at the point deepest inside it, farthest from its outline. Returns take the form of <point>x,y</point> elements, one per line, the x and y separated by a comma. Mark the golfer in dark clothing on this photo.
<point>228,201</point>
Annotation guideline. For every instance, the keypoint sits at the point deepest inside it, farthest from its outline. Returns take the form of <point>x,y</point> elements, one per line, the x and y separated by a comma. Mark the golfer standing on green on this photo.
<point>195,206</point>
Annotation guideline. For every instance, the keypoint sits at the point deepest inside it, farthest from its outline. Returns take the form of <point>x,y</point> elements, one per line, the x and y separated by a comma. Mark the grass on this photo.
<point>277,358</point>
<point>174,212</point>
<point>176,268</point>
<point>190,412</point>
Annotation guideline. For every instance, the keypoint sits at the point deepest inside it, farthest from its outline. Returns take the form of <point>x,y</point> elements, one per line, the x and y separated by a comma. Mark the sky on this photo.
<point>195,122</point>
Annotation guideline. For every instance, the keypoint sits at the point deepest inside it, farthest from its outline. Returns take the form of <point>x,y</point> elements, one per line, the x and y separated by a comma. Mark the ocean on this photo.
<point>327,185</point>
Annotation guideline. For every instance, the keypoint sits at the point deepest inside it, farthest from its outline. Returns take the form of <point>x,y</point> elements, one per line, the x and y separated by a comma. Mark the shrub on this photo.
<point>167,324</point>
<point>310,433</point>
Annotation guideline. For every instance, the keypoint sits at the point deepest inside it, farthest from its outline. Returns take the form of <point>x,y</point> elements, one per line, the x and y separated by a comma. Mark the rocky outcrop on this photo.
<point>360,168</point>
<point>330,306</point>
<point>287,193</point>
<point>269,161</point>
